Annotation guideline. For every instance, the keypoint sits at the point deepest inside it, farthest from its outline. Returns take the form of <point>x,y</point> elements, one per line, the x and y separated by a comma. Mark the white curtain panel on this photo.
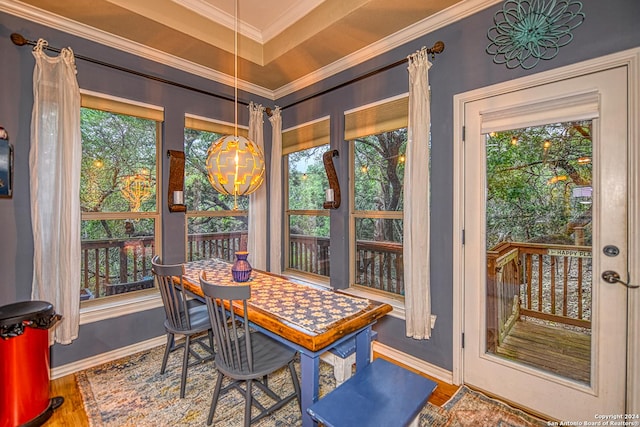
<point>257,240</point>
<point>416,202</point>
<point>275,202</point>
<point>54,170</point>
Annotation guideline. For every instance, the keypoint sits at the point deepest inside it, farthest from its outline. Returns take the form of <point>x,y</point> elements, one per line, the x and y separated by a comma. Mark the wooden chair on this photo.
<point>182,318</point>
<point>244,356</point>
<point>380,395</point>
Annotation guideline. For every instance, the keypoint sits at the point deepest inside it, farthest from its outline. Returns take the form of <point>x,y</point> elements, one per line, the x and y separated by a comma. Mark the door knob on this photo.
<point>610,276</point>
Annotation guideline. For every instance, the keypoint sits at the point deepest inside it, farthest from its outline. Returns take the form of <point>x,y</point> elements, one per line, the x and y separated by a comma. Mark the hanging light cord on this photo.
<point>235,69</point>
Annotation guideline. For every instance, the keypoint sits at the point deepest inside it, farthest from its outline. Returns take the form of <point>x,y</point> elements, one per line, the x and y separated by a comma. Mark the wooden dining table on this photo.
<point>310,319</point>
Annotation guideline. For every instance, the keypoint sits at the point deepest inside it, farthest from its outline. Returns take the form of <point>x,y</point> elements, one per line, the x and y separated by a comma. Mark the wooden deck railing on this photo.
<point>309,254</point>
<point>214,245</point>
<point>543,281</point>
<point>109,262</point>
<point>113,266</point>
<point>379,266</point>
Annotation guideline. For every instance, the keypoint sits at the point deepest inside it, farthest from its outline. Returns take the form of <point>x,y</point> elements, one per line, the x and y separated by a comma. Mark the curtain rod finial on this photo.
<point>18,39</point>
<point>268,111</point>
<point>438,47</point>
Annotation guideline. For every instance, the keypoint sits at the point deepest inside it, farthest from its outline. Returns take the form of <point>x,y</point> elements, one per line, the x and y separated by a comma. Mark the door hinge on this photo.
<point>463,340</point>
<point>464,132</point>
<point>463,236</point>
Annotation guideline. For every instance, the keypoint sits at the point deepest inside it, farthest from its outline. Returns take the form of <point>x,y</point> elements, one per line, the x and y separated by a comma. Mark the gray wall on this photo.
<point>609,27</point>
<point>16,100</point>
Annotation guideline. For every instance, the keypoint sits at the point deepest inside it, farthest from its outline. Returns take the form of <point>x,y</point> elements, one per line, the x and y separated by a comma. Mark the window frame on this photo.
<point>205,124</point>
<point>138,301</point>
<point>372,119</point>
<point>315,133</point>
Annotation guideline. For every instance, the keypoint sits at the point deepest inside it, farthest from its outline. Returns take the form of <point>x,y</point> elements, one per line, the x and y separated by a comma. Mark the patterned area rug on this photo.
<point>131,392</point>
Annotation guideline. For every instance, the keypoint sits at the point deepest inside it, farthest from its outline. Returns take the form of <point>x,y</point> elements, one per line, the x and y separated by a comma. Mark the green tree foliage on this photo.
<point>307,184</point>
<point>531,175</point>
<point>115,147</point>
<point>379,174</point>
<point>199,194</point>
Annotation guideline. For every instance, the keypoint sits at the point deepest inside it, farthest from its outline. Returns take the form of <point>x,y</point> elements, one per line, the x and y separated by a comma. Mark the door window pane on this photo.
<point>539,227</point>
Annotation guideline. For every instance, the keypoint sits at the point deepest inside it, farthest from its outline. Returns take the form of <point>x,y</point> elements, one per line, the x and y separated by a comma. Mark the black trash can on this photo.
<point>24,363</point>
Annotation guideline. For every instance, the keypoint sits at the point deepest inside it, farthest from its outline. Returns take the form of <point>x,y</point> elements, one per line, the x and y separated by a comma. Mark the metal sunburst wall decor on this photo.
<point>527,31</point>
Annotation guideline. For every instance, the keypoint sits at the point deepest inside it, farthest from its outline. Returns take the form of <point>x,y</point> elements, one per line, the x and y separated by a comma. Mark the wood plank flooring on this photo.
<point>561,351</point>
<point>72,414</point>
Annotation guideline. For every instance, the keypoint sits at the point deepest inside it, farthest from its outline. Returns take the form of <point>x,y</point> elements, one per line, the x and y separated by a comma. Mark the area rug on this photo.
<point>132,392</point>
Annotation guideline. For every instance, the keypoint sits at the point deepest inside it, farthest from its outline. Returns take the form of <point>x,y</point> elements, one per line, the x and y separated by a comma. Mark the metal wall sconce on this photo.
<point>6,165</point>
<point>176,181</point>
<point>332,194</point>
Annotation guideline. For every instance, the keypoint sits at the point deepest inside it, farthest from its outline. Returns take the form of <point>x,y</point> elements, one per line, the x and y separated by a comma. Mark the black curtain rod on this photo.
<point>438,47</point>
<point>19,40</point>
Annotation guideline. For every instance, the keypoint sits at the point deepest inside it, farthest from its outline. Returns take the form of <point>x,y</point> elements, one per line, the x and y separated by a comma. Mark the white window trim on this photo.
<point>119,305</point>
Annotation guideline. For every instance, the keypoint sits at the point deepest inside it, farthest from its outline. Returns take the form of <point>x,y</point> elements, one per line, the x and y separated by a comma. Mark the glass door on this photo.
<point>545,193</point>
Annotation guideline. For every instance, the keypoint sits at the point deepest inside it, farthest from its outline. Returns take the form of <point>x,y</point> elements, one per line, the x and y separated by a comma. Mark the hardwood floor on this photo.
<point>72,414</point>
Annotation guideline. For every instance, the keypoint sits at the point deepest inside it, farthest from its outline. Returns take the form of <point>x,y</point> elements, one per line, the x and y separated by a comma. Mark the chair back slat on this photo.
<point>173,294</point>
<point>231,331</point>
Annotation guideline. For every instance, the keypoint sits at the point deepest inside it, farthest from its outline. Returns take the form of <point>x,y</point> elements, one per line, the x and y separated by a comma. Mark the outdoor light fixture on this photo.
<point>235,164</point>
<point>136,189</point>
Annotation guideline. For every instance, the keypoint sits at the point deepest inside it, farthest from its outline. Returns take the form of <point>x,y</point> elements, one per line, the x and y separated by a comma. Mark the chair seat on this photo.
<point>268,355</point>
<point>199,321</point>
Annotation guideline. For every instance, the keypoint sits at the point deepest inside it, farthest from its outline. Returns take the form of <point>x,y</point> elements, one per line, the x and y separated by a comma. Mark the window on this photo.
<point>214,228</point>
<point>307,223</point>
<point>378,139</point>
<point>118,197</point>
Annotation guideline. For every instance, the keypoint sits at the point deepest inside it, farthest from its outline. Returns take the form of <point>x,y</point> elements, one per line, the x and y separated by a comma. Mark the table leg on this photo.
<point>309,384</point>
<point>363,348</point>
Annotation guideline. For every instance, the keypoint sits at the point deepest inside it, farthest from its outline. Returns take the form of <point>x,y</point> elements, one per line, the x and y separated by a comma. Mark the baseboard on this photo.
<point>413,362</point>
<point>99,359</point>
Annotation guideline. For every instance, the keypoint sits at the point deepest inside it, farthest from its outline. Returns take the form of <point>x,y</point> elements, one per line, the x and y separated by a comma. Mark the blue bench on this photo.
<point>380,395</point>
<point>342,357</point>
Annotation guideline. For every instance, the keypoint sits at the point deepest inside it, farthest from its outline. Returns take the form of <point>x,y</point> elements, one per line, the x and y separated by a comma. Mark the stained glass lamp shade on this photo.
<point>235,166</point>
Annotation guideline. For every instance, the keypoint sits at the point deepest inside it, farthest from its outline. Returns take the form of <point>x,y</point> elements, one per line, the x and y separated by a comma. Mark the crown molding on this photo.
<point>215,14</point>
<point>441,19</point>
<point>219,16</point>
<point>58,22</point>
<point>289,16</point>
<point>432,23</point>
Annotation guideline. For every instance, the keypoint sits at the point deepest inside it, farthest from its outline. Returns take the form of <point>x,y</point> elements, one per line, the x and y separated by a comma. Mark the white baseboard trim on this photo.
<point>99,359</point>
<point>413,362</point>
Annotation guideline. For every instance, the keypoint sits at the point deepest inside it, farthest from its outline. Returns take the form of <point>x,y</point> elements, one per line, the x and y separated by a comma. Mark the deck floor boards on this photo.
<point>564,352</point>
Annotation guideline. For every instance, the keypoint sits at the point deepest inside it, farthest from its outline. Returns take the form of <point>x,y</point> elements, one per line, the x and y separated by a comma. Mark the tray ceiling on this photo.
<point>279,44</point>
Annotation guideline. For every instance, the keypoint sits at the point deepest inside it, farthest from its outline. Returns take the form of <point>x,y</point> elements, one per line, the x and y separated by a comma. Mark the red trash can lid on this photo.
<point>19,312</point>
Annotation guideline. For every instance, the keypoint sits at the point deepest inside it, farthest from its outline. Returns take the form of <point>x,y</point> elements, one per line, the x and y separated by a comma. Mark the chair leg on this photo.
<point>296,384</point>
<point>167,350</point>
<point>185,364</point>
<point>214,399</point>
<point>210,333</point>
<point>247,407</point>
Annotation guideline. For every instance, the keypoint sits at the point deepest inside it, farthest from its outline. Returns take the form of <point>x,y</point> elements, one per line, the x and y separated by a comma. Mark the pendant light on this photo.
<point>235,164</point>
